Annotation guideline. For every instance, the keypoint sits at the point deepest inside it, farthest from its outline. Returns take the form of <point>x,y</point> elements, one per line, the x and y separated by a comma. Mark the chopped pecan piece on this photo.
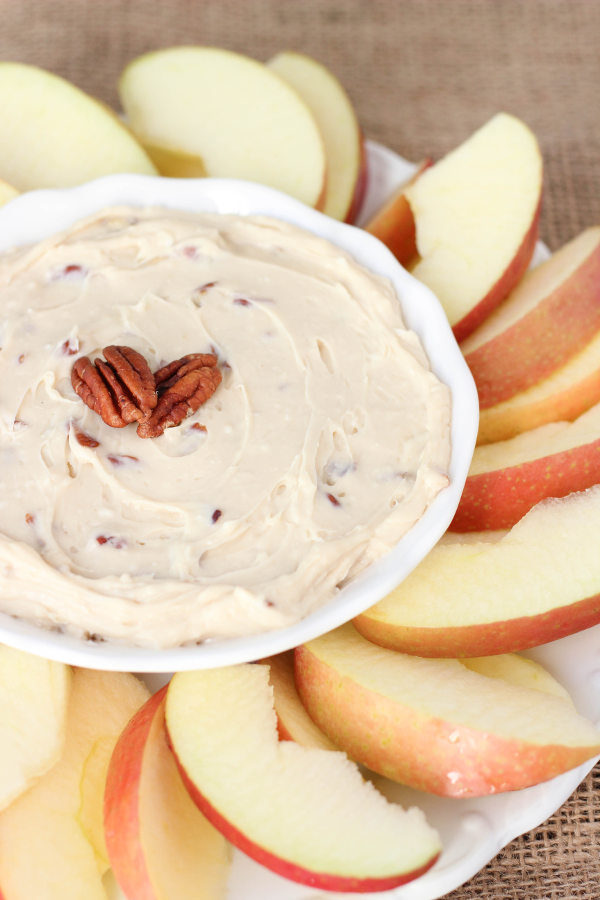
<point>120,390</point>
<point>185,385</point>
<point>86,440</point>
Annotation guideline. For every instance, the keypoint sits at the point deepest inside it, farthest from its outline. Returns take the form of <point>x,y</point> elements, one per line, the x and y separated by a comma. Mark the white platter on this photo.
<point>473,831</point>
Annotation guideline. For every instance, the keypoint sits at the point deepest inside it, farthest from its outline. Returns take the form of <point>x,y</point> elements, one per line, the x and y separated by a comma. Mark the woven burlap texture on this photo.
<point>423,75</point>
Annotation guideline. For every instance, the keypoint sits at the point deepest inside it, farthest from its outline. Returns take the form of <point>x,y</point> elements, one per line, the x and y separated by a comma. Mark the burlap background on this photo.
<point>423,75</point>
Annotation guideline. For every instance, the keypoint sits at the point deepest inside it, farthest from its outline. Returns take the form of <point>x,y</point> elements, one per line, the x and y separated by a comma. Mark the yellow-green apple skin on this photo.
<point>159,844</point>
<point>347,174</point>
<point>394,223</point>
<point>476,213</point>
<point>305,813</point>
<point>548,318</point>
<point>435,724</point>
<point>7,192</point>
<point>55,135</point>
<point>564,395</point>
<point>508,478</point>
<point>496,592</point>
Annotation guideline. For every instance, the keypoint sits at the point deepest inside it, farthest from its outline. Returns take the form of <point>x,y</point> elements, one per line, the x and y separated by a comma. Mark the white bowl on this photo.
<point>39,214</point>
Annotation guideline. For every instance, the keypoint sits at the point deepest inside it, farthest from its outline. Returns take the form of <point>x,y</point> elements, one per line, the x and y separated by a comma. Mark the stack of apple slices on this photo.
<point>192,112</point>
<point>303,811</point>
<point>59,728</point>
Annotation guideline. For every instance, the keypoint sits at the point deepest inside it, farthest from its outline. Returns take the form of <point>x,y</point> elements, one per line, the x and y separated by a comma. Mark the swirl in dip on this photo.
<point>326,440</point>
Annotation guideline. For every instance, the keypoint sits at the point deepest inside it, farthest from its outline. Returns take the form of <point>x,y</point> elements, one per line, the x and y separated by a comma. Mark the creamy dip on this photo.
<point>325,442</point>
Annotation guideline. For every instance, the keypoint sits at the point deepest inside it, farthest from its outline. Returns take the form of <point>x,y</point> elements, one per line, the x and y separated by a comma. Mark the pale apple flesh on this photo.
<point>550,316</point>
<point>160,845</point>
<point>334,114</point>
<point>293,722</point>
<point>7,192</point>
<point>495,592</point>
<point>507,478</point>
<point>34,694</point>
<point>45,852</point>
<point>394,223</point>
<point>435,724</point>
<point>503,286</point>
<point>229,111</point>
<point>476,213</point>
<point>54,135</point>
<point>304,813</point>
<point>566,394</point>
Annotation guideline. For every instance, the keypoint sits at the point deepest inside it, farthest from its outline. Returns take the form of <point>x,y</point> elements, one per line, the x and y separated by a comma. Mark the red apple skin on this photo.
<point>434,752</point>
<point>121,804</point>
<point>394,224</point>
<point>498,499</point>
<point>502,288</point>
<point>564,324</point>
<point>486,639</point>
<point>503,422</point>
<point>321,880</point>
<point>360,188</point>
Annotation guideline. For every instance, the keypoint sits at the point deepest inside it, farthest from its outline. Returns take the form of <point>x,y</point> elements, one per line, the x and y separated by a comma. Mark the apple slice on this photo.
<point>7,192</point>
<point>518,670</point>
<point>33,709</point>
<point>493,592</point>
<point>54,135</point>
<point>160,845</point>
<point>45,852</point>
<point>304,813</point>
<point>564,395</point>
<point>506,479</point>
<point>549,317</point>
<point>235,114</point>
<point>476,213</point>
<point>436,724</point>
<point>293,722</point>
<point>344,145</point>
<point>394,223</point>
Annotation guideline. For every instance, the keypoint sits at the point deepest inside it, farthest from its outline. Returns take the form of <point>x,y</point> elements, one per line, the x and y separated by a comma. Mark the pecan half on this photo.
<point>120,390</point>
<point>184,386</point>
<point>164,377</point>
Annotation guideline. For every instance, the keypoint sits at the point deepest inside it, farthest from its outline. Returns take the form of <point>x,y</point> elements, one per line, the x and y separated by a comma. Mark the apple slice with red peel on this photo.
<point>507,478</point>
<point>476,213</point>
<point>159,843</point>
<point>45,852</point>
<point>566,394</point>
<point>436,724</point>
<point>235,115</point>
<point>304,813</point>
<point>54,135</point>
<point>495,592</point>
<point>293,722</point>
<point>33,710</point>
<point>394,223</point>
<point>335,116</point>
<point>549,317</point>
<point>7,192</point>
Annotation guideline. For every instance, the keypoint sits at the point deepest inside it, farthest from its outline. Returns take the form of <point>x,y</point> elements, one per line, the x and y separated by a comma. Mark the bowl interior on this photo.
<point>34,216</point>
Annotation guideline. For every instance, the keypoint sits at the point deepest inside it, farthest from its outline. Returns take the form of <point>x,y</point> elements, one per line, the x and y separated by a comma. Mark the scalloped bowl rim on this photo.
<point>34,216</point>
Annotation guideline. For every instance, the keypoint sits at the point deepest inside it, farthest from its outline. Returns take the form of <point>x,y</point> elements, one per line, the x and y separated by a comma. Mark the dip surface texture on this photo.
<point>325,442</point>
